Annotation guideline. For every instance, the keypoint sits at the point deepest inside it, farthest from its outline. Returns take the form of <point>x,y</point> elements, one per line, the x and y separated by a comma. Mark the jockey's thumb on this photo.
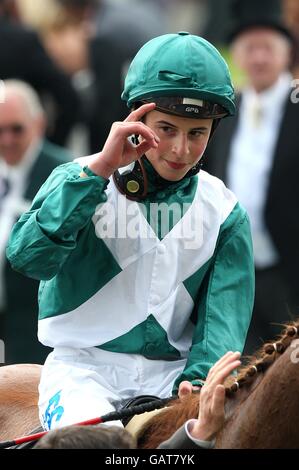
<point>185,389</point>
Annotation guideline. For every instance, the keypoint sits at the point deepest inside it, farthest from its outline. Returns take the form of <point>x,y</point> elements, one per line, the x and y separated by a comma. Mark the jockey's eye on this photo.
<point>167,129</point>
<point>196,133</point>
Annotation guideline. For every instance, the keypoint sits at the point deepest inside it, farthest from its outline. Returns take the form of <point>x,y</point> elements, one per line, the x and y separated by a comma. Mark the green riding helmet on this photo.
<point>184,75</point>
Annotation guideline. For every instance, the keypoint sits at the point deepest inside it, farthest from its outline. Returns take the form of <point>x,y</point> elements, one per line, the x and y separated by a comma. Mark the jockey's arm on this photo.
<point>225,306</point>
<point>44,237</point>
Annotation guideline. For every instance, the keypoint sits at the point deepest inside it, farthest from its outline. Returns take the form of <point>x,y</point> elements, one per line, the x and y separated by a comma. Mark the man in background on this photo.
<point>256,154</point>
<point>26,160</point>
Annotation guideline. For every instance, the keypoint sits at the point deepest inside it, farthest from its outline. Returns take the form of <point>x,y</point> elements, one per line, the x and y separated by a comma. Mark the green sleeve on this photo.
<point>226,299</point>
<point>45,236</point>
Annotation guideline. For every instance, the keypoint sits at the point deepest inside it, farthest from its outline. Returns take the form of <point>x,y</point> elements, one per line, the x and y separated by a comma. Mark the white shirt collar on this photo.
<point>273,96</point>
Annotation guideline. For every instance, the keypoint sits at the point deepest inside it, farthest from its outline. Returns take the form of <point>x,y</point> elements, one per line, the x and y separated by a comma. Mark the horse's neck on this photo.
<point>233,403</point>
<point>265,415</point>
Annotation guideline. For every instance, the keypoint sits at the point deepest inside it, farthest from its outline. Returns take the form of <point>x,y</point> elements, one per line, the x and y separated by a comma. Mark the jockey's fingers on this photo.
<point>138,113</point>
<point>144,147</point>
<point>223,358</point>
<point>218,400</point>
<point>228,360</point>
<point>222,374</point>
<point>223,361</point>
<point>185,389</point>
<point>127,129</point>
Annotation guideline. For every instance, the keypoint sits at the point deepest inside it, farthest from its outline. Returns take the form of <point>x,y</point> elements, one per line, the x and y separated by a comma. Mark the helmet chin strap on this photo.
<point>134,184</point>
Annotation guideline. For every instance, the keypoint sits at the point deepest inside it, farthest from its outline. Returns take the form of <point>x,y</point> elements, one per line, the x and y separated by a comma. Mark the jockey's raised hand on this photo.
<point>118,151</point>
<point>212,397</point>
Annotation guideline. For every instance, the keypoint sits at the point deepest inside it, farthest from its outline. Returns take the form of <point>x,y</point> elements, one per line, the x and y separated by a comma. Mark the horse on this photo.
<point>18,399</point>
<point>261,409</point>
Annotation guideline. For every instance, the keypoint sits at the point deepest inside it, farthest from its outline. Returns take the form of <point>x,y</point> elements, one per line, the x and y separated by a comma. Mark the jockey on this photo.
<point>145,260</point>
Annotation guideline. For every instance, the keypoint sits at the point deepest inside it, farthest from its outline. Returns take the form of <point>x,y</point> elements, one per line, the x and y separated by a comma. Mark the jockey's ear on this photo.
<point>185,389</point>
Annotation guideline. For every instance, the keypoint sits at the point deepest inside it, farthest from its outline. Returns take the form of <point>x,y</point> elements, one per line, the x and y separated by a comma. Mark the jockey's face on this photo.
<point>182,143</point>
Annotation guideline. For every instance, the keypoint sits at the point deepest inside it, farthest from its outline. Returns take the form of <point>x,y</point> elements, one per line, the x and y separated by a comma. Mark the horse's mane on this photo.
<point>163,425</point>
<point>262,359</point>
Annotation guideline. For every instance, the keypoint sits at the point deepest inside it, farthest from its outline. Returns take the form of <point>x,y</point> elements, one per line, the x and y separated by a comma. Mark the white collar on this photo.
<point>276,94</point>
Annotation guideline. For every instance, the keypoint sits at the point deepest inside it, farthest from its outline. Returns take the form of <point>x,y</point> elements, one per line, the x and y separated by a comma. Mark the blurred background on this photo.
<point>73,56</point>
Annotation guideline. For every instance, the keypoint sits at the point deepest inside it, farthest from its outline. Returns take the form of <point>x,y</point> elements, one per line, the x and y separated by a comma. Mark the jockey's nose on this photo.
<point>181,145</point>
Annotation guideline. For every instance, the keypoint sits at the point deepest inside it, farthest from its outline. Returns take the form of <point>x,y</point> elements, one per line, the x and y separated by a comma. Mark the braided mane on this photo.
<point>263,359</point>
<point>163,425</point>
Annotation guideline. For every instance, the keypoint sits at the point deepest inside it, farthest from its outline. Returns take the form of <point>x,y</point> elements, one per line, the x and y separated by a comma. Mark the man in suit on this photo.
<point>256,154</point>
<point>22,56</point>
<point>26,160</point>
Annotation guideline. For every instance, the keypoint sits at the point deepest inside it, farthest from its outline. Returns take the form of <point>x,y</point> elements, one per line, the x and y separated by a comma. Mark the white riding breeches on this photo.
<point>81,384</point>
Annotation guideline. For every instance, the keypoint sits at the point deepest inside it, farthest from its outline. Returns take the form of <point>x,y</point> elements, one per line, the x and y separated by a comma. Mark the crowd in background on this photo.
<point>73,55</point>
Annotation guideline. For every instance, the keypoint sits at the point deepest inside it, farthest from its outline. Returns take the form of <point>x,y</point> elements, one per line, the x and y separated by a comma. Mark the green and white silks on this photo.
<point>111,280</point>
